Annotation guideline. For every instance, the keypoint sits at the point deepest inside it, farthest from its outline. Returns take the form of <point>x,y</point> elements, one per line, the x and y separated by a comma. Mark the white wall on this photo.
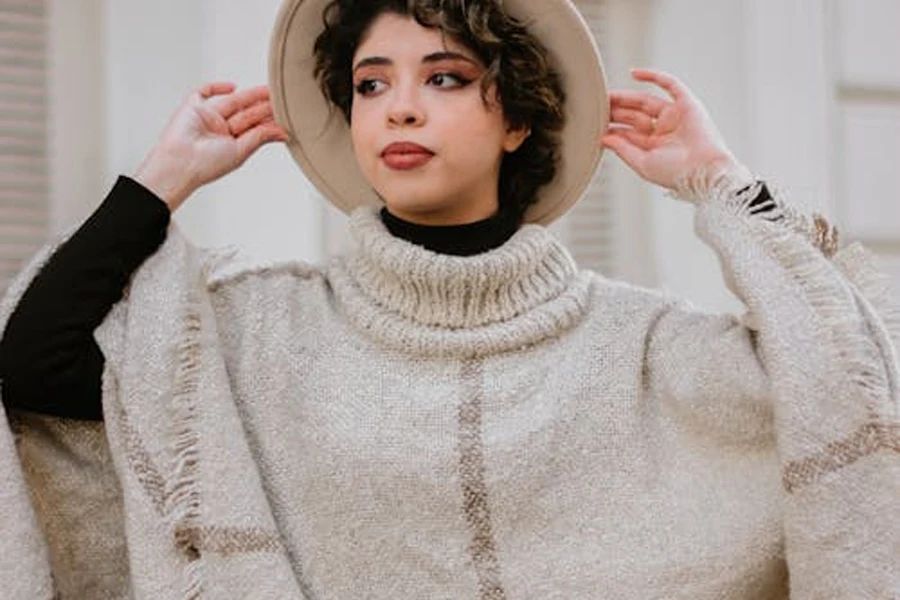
<point>120,67</point>
<point>267,206</point>
<point>77,107</point>
<point>757,64</point>
<point>787,73</point>
<point>760,67</point>
<point>866,91</point>
<point>157,52</point>
<point>701,42</point>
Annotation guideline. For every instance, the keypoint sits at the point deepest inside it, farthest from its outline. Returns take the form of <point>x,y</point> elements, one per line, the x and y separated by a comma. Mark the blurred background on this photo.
<point>807,92</point>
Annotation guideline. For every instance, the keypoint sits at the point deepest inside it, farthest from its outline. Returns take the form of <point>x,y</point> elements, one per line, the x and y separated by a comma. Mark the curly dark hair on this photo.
<point>528,87</point>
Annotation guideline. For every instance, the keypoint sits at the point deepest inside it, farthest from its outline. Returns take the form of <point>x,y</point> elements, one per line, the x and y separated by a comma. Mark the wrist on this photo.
<point>726,171</point>
<point>719,176</point>
<point>165,177</point>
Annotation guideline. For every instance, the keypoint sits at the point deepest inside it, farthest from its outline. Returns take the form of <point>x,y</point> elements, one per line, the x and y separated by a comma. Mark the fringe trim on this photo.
<point>879,301</point>
<point>851,344</point>
<point>860,266</point>
<point>853,336</point>
<point>706,184</point>
<point>738,185</point>
<point>815,228</point>
<point>183,499</point>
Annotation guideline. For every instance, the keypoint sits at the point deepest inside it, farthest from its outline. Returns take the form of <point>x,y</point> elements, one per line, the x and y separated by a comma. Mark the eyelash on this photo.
<point>461,82</point>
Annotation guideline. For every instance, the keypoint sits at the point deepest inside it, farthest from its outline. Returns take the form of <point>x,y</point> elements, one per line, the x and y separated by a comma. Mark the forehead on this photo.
<point>397,36</point>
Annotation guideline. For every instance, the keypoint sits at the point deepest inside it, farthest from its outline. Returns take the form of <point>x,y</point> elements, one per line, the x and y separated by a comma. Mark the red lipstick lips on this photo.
<point>404,156</point>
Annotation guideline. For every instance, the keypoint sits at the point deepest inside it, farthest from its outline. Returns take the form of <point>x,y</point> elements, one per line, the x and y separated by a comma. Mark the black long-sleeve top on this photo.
<point>49,360</point>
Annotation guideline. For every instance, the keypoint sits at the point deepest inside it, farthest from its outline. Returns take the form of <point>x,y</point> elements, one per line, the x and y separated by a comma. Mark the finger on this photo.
<point>668,82</point>
<point>624,149</point>
<point>231,104</point>
<point>643,101</point>
<point>250,117</point>
<point>637,138</point>
<point>640,121</point>
<point>253,139</point>
<point>216,88</point>
<point>669,120</point>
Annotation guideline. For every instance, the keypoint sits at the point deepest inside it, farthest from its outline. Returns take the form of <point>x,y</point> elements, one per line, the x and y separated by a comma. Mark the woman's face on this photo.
<point>422,134</point>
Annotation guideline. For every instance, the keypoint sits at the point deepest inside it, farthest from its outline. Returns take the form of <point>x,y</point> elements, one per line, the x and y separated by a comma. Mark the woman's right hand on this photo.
<point>211,134</point>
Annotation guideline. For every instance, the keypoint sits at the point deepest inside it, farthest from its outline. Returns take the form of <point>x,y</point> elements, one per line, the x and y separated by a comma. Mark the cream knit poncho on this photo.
<point>503,426</point>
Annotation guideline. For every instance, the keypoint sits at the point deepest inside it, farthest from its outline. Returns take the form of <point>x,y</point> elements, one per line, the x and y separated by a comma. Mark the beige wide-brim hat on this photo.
<point>320,137</point>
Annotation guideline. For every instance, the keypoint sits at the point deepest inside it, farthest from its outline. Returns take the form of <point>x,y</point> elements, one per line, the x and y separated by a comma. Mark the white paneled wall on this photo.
<point>807,92</point>
<point>119,68</point>
<point>703,43</point>
<point>77,109</point>
<point>786,78</point>
<point>157,52</point>
<point>608,230</point>
<point>24,171</point>
<point>869,50</point>
<point>869,196</point>
<point>267,206</point>
<point>867,97</point>
<point>590,227</point>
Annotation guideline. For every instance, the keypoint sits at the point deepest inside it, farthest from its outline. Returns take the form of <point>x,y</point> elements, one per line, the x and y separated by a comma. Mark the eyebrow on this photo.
<point>428,58</point>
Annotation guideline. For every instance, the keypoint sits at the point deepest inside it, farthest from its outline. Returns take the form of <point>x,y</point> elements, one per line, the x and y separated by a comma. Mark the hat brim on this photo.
<point>320,137</point>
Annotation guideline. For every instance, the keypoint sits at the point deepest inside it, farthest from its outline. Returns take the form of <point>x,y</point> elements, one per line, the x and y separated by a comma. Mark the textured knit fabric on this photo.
<point>49,360</point>
<point>403,424</point>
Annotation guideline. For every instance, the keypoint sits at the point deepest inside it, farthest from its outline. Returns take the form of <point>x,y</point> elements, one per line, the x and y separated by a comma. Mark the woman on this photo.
<point>452,409</point>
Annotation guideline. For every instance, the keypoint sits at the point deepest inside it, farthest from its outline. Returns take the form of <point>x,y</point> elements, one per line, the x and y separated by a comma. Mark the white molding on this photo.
<point>702,43</point>
<point>624,42</point>
<point>76,109</point>
<point>634,245</point>
<point>790,76</point>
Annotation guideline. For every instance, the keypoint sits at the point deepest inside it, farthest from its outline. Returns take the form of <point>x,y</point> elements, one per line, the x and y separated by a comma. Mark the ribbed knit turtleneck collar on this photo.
<point>410,297</point>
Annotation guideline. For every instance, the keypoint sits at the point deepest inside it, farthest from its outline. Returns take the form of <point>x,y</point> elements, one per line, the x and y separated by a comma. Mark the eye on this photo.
<point>448,80</point>
<point>367,87</point>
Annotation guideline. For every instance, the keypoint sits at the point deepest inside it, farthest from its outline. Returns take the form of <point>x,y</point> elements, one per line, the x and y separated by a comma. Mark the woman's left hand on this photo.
<point>665,141</point>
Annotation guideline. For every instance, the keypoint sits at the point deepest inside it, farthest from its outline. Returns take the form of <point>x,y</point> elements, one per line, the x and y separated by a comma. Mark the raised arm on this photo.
<point>49,361</point>
<point>815,348</point>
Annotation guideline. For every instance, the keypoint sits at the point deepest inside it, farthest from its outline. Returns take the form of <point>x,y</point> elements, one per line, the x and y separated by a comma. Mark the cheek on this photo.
<point>360,136</point>
<point>355,135</point>
<point>478,137</point>
<point>477,125</point>
<point>360,115</point>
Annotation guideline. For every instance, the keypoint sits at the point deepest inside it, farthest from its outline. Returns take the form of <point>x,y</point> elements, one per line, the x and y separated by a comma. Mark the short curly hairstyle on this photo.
<point>528,87</point>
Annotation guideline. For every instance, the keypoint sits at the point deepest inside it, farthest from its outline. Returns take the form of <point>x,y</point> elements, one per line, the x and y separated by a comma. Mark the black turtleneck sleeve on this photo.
<point>49,360</point>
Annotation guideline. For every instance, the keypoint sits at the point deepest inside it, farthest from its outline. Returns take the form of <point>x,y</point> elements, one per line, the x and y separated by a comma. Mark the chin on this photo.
<point>418,208</point>
<point>416,203</point>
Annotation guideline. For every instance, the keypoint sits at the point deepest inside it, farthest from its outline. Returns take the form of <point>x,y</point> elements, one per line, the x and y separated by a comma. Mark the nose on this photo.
<point>405,109</point>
